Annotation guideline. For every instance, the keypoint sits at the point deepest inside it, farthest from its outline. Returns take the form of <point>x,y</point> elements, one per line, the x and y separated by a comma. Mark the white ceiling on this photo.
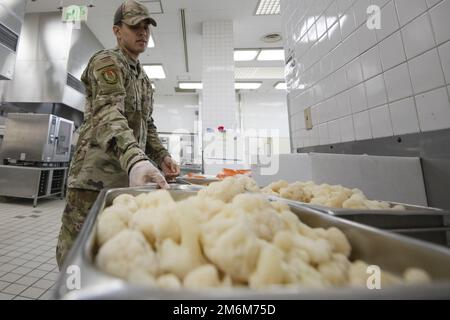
<point>169,50</point>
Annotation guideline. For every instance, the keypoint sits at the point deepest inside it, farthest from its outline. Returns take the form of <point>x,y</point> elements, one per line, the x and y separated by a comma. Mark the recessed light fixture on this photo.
<point>190,85</point>
<point>271,55</point>
<point>281,86</point>
<point>151,42</point>
<point>247,85</point>
<point>237,85</point>
<point>245,54</point>
<point>155,71</point>
<point>268,7</point>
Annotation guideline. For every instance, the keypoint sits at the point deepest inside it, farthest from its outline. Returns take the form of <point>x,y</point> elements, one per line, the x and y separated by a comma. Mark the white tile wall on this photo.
<point>426,72</point>
<point>398,83</point>
<point>392,52</point>
<point>404,116</point>
<point>362,83</point>
<point>434,110</point>
<point>380,121</point>
<point>363,130</point>
<point>444,53</point>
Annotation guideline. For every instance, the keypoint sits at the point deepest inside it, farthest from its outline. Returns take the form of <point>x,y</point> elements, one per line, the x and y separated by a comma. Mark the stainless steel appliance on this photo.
<point>36,138</point>
<point>36,153</point>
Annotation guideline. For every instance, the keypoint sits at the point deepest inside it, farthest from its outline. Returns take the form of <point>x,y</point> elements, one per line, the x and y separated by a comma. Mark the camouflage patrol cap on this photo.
<point>132,12</point>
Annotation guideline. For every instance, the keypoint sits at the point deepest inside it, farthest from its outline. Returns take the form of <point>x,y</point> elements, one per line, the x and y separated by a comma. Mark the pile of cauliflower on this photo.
<point>334,196</point>
<point>224,237</point>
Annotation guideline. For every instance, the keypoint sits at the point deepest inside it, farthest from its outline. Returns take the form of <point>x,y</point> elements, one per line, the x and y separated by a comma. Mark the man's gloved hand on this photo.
<point>170,168</point>
<point>145,172</point>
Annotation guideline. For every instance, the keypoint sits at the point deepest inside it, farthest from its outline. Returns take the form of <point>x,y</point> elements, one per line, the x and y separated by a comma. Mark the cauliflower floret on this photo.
<point>141,278</point>
<point>264,220</point>
<point>335,271</point>
<point>271,268</point>
<point>229,242</point>
<point>296,192</point>
<point>154,199</point>
<point>168,281</point>
<point>291,221</point>
<point>279,206</point>
<point>121,254</point>
<point>301,272</point>
<point>206,207</point>
<point>284,240</point>
<point>356,201</point>
<point>202,277</point>
<point>377,205</point>
<point>416,276</point>
<point>128,201</point>
<point>248,183</point>
<point>147,263</point>
<point>357,274</point>
<point>336,199</point>
<point>274,187</point>
<point>180,259</point>
<point>157,224</point>
<point>112,220</point>
<point>339,241</point>
<point>224,190</point>
<point>143,269</point>
<point>318,250</point>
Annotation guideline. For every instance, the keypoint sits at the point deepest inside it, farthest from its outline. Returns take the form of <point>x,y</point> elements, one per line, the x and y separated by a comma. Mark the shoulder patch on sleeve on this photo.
<point>110,75</point>
<point>104,60</point>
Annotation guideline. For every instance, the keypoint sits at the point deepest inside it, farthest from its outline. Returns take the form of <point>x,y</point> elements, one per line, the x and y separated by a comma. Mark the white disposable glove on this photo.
<point>144,172</point>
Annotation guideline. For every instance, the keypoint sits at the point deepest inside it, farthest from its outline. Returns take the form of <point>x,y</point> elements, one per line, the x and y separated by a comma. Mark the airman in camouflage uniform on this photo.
<point>118,131</point>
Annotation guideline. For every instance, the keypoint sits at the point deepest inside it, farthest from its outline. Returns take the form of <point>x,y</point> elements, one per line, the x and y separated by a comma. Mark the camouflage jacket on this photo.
<point>118,129</point>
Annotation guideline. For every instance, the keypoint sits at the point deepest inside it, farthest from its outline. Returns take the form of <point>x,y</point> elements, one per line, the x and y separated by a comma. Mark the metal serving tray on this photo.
<point>391,252</point>
<point>436,235</point>
<point>412,218</point>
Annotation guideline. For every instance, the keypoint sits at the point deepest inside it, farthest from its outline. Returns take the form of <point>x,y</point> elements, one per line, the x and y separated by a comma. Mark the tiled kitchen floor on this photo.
<point>28,238</point>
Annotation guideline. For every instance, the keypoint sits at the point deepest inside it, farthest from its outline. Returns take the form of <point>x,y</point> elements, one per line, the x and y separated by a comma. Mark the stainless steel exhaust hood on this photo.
<point>11,19</point>
<point>51,57</point>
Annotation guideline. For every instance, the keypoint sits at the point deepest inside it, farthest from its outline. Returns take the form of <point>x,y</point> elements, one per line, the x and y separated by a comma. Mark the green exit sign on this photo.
<point>74,13</point>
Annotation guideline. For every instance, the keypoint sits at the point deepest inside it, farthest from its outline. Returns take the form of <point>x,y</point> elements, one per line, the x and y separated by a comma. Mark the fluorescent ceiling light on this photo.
<point>268,7</point>
<point>151,42</point>
<point>155,71</point>
<point>271,55</point>
<point>190,85</point>
<point>281,86</point>
<point>245,55</point>
<point>247,85</point>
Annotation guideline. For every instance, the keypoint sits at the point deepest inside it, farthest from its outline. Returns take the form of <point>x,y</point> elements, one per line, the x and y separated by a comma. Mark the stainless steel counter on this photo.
<point>32,182</point>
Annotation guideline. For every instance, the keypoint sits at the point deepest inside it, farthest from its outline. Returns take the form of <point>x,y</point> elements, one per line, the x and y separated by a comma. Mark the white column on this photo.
<point>218,95</point>
<point>218,102</point>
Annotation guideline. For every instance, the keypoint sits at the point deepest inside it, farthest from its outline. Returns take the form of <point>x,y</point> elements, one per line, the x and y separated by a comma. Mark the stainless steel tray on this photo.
<point>391,252</point>
<point>412,218</point>
<point>435,235</point>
